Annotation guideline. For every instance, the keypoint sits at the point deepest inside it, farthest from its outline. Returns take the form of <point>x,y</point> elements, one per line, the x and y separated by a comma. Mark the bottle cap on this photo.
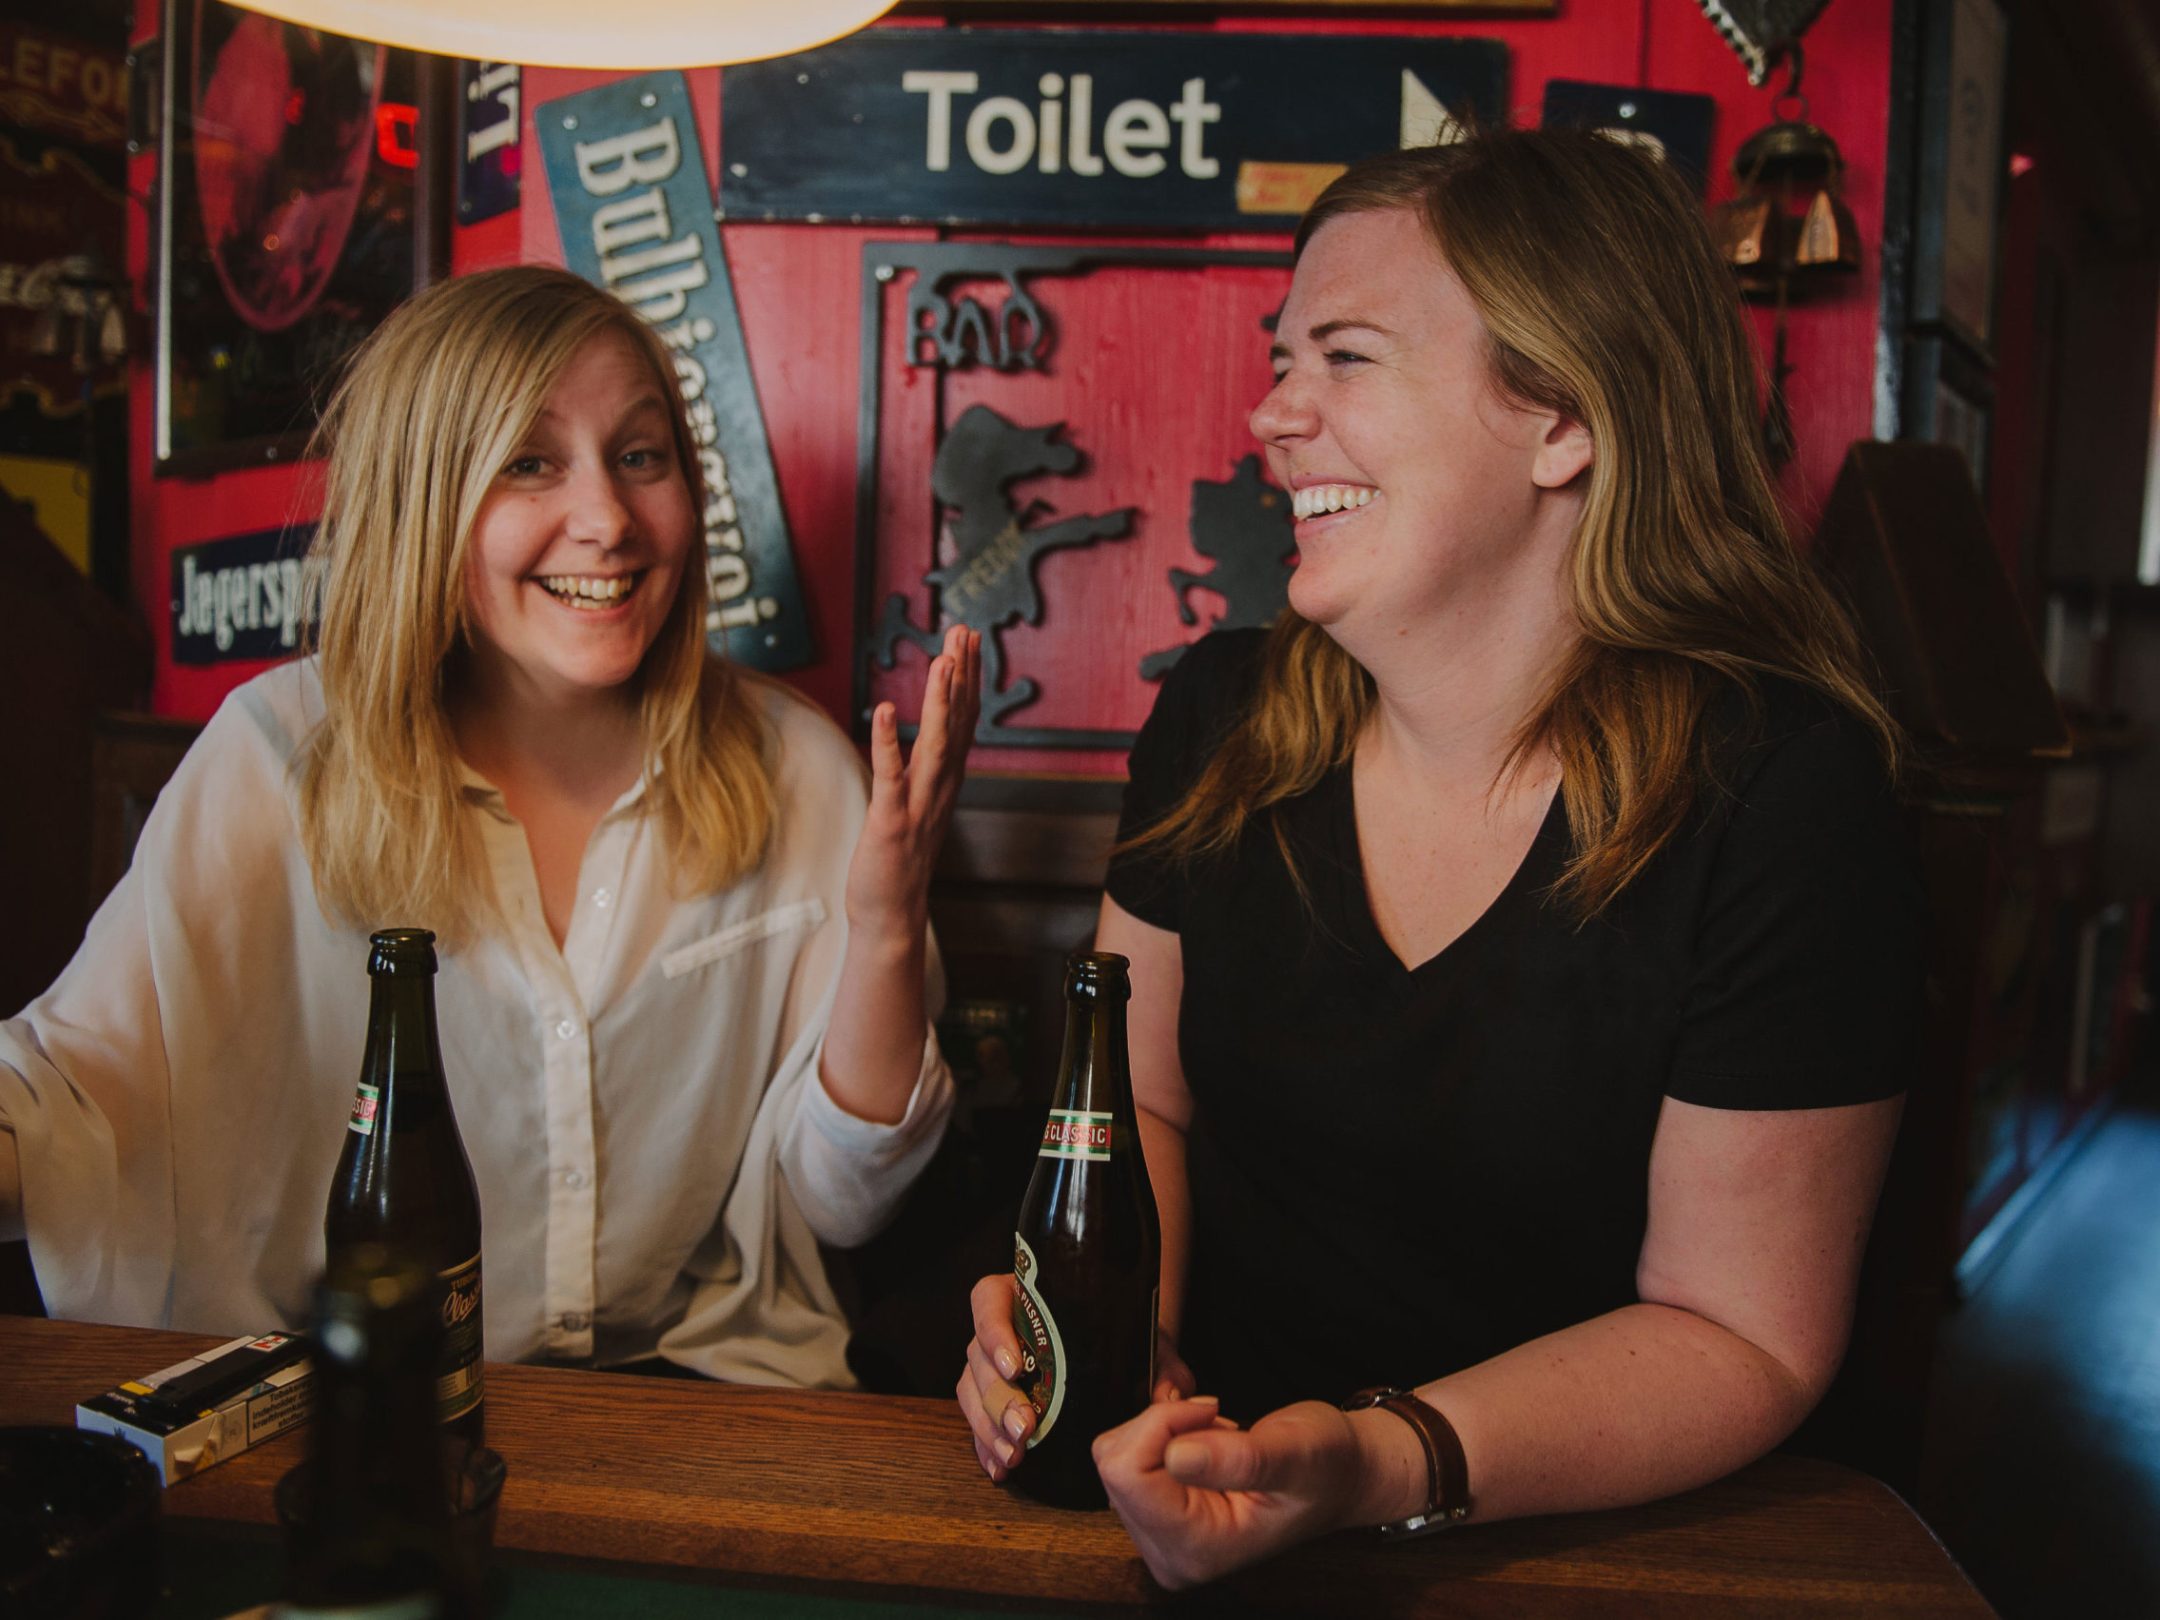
<point>401,950</point>
<point>1098,976</point>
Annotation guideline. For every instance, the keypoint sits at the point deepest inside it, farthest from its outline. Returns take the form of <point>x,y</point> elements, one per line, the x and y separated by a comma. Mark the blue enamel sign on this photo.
<point>488,146</point>
<point>635,210</point>
<point>242,597</point>
<point>1092,128</point>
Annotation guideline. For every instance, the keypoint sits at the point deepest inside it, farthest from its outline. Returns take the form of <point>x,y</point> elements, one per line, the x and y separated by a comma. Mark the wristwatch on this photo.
<point>1447,1496</point>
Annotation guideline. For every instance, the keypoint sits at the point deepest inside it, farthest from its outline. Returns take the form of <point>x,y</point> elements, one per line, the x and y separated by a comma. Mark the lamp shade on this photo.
<point>587,33</point>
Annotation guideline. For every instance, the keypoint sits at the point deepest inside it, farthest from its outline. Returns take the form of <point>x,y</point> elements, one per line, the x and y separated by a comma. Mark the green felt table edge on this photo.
<point>215,1571</point>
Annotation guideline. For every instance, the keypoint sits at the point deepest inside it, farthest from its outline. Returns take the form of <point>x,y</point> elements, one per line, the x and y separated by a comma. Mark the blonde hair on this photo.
<point>431,408</point>
<point>1603,299</point>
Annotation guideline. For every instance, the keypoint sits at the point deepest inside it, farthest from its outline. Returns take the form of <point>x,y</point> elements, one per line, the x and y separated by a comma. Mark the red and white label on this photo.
<point>1074,1134</point>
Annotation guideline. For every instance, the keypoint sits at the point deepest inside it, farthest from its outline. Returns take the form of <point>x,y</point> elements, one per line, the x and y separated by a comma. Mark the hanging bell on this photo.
<point>1828,238</point>
<point>112,332</point>
<point>1787,226</point>
<point>46,337</point>
<point>1742,230</point>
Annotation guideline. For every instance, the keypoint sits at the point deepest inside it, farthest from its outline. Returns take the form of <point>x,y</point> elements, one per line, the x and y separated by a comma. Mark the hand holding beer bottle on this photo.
<point>1067,1345</point>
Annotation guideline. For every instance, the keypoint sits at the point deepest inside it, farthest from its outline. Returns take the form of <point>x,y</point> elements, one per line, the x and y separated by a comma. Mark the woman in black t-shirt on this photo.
<point>1525,956</point>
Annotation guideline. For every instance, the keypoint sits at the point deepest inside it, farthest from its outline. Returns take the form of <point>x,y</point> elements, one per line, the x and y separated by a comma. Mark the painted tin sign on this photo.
<point>1090,128</point>
<point>635,210</point>
<point>1675,126</point>
<point>488,145</point>
<point>241,597</point>
<point>61,84</point>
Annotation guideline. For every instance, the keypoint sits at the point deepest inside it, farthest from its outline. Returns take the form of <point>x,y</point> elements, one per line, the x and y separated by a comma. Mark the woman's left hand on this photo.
<point>1201,1497</point>
<point>888,883</point>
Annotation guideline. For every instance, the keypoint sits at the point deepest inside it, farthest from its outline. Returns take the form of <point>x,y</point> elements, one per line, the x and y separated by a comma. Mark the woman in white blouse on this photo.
<point>686,968</point>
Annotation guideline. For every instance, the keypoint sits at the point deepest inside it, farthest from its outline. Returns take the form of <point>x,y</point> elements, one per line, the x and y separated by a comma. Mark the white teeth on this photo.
<point>587,590</point>
<point>1314,499</point>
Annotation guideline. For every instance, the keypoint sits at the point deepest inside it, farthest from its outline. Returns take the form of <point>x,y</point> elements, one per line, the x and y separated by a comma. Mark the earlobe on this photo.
<point>1564,454</point>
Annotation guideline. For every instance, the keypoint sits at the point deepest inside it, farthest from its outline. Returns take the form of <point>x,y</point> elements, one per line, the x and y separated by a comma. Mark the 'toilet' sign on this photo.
<point>1092,128</point>
<point>635,210</point>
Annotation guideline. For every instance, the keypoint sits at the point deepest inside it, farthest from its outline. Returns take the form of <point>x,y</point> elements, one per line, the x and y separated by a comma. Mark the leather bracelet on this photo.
<point>1447,1472</point>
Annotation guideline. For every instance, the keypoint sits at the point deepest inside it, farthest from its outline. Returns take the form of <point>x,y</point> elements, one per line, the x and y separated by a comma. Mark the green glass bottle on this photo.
<point>368,1515</point>
<point>1087,1254</point>
<point>403,1178</point>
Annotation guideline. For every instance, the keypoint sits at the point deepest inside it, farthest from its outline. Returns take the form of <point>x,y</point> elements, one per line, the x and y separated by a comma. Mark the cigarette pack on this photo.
<point>199,1412</point>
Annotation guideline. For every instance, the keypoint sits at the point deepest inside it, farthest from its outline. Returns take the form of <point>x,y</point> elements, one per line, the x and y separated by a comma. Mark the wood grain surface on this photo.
<point>877,1494</point>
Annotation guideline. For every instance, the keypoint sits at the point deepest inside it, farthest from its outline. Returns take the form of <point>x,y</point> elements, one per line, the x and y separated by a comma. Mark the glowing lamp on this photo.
<point>587,33</point>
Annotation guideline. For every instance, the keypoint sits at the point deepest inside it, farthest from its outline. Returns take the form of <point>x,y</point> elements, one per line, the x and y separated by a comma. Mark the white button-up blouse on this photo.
<point>656,1155</point>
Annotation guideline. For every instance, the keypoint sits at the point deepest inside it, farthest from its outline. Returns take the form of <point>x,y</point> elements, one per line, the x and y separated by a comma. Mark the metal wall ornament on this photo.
<point>1242,525</point>
<point>948,332</point>
<point>1787,234</point>
<point>1760,32</point>
<point>993,532</point>
<point>990,584</point>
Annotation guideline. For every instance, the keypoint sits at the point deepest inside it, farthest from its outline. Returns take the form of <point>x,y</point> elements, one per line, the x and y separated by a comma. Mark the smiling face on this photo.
<point>580,546</point>
<point>1417,490</point>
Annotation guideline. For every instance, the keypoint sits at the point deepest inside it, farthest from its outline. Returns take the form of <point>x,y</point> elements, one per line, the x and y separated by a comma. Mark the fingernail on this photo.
<point>1015,1423</point>
<point>1008,1452</point>
<point>1007,1362</point>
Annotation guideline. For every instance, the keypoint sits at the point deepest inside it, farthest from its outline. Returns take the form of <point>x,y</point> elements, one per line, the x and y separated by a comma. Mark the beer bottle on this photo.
<point>368,1515</point>
<point>403,1178</point>
<point>1088,1252</point>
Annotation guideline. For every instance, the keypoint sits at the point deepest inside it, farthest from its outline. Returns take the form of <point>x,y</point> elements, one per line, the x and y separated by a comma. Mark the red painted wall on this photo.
<point>798,287</point>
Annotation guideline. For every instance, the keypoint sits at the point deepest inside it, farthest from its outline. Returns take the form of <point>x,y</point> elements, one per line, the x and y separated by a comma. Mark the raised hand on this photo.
<point>911,803</point>
<point>874,1045</point>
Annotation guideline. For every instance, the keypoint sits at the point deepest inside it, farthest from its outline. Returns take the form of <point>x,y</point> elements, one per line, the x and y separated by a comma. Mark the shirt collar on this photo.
<point>479,792</point>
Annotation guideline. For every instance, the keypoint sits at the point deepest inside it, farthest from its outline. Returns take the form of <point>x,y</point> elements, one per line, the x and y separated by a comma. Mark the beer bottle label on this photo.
<point>1042,1352</point>
<point>457,1385</point>
<point>1072,1133</point>
<point>363,1108</point>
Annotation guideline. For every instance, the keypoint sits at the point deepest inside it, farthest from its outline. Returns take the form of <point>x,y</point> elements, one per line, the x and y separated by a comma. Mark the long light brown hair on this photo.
<point>433,406</point>
<point>1602,299</point>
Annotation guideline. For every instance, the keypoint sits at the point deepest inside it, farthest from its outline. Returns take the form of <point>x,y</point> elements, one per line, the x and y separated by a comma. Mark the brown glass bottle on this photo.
<point>403,1178</point>
<point>1087,1254</point>
<point>367,1516</point>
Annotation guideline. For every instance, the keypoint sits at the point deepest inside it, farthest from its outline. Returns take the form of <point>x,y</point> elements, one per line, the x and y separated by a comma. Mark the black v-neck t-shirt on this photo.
<point>1399,1172</point>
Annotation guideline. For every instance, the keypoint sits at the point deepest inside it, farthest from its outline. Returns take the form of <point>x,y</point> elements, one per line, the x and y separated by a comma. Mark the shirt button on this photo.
<point>601,897</point>
<point>566,1029</point>
<point>573,1179</point>
<point>575,1322</point>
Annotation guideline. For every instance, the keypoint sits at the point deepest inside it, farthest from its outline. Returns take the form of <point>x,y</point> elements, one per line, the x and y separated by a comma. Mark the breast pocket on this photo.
<point>799,915</point>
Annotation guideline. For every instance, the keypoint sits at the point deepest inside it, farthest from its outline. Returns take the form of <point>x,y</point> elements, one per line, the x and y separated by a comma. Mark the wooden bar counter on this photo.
<point>880,1498</point>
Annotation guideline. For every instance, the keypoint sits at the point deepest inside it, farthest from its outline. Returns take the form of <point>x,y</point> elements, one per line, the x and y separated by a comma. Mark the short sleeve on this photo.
<point>1199,701</point>
<point>1807,976</point>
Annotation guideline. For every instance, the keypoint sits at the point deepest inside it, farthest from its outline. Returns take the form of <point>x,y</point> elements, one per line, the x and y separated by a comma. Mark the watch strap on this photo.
<point>1447,1471</point>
